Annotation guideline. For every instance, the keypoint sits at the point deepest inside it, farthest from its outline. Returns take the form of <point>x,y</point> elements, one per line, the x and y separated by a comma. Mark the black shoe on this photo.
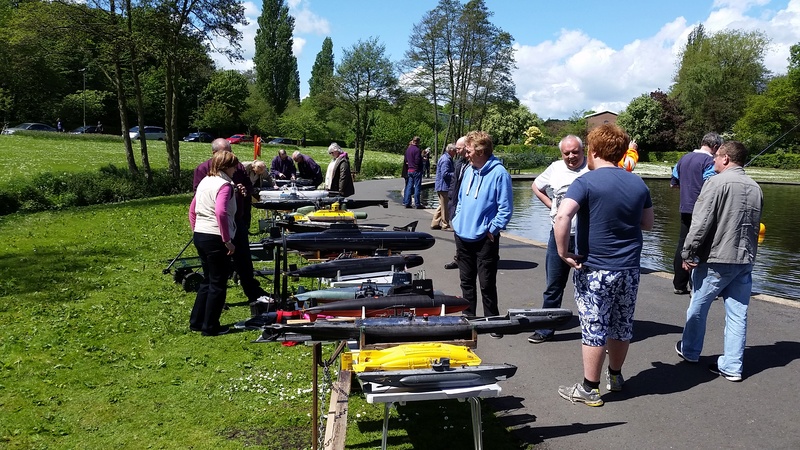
<point>218,332</point>
<point>677,291</point>
<point>420,207</point>
<point>451,265</point>
<point>728,376</point>
<point>407,206</point>
<point>195,329</point>
<point>436,227</point>
<point>496,335</point>
<point>538,338</point>
<point>679,350</point>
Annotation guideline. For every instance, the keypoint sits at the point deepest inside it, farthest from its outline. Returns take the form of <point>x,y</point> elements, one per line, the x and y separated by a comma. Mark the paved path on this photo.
<point>666,403</point>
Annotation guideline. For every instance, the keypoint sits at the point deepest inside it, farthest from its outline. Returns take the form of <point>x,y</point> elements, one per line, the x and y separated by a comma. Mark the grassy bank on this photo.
<point>95,350</point>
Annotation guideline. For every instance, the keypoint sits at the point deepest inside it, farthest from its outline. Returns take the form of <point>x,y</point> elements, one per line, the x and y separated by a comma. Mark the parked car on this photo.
<point>29,126</point>
<point>152,133</point>
<point>240,138</point>
<point>88,129</point>
<point>199,137</point>
<point>282,141</point>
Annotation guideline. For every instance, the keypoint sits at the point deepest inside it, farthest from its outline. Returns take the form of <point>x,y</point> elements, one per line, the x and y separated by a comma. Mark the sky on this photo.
<point>571,55</point>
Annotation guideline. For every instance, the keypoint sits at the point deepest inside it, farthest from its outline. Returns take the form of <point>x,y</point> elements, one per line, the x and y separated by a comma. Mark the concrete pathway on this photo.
<point>665,403</point>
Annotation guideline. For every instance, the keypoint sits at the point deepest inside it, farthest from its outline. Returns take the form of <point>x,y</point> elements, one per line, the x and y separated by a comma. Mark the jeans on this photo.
<point>557,272</point>
<point>413,183</point>
<point>681,277</point>
<point>212,290</point>
<point>478,260</point>
<point>732,282</point>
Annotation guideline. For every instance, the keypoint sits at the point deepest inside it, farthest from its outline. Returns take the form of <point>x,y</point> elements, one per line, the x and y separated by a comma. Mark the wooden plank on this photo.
<point>336,426</point>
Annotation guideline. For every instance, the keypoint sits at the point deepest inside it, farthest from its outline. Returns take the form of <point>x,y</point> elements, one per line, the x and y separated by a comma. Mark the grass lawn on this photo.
<point>95,350</point>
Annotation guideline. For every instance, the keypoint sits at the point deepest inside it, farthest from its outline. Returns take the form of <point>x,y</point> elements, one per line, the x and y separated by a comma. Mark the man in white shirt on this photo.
<point>550,187</point>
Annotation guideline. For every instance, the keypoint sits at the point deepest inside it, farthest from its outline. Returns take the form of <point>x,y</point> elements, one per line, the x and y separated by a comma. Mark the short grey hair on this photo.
<point>712,140</point>
<point>334,148</point>
<point>570,136</point>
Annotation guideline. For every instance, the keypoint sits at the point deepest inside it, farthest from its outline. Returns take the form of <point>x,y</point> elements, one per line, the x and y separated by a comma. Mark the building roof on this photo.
<point>599,113</point>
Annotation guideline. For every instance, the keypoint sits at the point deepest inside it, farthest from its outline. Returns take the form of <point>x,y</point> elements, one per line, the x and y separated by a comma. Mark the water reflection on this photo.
<point>774,273</point>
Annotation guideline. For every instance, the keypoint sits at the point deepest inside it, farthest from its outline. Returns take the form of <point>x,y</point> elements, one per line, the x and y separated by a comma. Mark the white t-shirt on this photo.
<point>554,181</point>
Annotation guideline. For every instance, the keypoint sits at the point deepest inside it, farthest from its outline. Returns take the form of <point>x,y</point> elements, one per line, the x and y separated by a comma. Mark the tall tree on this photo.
<point>365,78</point>
<point>276,67</point>
<point>321,81</point>
<point>640,119</point>
<point>717,73</point>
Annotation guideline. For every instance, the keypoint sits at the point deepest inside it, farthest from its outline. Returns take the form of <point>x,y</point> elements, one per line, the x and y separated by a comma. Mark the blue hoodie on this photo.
<point>485,201</point>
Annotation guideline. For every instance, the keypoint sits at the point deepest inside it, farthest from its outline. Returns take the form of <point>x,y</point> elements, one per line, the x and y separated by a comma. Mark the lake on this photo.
<point>774,273</point>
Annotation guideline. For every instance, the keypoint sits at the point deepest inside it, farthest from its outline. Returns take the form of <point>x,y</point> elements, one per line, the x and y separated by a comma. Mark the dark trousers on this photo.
<point>682,279</point>
<point>213,289</point>
<point>243,261</point>
<point>478,260</point>
<point>557,272</point>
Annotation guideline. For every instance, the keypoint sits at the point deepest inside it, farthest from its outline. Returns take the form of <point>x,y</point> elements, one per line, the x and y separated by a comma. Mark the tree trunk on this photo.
<point>173,154</point>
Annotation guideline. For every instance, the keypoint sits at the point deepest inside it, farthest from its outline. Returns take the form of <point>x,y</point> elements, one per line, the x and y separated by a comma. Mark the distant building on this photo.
<point>597,119</point>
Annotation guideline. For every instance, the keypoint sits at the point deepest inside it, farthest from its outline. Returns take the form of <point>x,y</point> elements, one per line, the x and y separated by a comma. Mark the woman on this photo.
<point>211,215</point>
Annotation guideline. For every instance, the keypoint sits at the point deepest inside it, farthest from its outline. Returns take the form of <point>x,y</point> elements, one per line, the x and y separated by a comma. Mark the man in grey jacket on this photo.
<point>720,250</point>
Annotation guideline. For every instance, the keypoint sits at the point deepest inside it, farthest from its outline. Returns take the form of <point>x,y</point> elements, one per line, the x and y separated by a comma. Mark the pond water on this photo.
<point>774,273</point>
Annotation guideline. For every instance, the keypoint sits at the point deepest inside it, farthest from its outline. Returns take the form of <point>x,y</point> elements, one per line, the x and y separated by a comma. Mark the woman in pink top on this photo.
<point>211,215</point>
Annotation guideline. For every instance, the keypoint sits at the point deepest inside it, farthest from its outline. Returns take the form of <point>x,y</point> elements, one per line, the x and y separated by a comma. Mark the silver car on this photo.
<point>152,133</point>
<point>29,126</point>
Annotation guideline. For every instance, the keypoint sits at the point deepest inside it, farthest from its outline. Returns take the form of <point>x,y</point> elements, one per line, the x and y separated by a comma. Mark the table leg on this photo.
<point>386,409</point>
<point>477,423</point>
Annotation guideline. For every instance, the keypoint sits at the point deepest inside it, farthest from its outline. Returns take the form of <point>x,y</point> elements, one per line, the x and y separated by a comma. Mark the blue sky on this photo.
<point>571,55</point>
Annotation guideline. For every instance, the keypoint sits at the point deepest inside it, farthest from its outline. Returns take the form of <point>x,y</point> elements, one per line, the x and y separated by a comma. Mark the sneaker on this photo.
<point>496,335</point>
<point>407,206</point>
<point>680,291</point>
<point>576,393</point>
<point>451,265</point>
<point>615,382</point>
<point>538,338</point>
<point>728,376</point>
<point>218,332</point>
<point>436,227</point>
<point>679,350</point>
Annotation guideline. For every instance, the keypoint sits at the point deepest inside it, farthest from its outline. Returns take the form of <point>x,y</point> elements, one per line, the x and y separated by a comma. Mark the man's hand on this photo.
<point>688,265</point>
<point>241,189</point>
<point>572,260</point>
<point>490,236</point>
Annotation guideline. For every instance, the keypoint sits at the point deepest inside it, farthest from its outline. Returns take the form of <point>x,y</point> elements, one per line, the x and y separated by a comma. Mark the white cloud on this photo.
<point>577,72</point>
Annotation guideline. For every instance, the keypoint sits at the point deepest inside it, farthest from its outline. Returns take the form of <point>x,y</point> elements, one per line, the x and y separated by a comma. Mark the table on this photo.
<point>390,395</point>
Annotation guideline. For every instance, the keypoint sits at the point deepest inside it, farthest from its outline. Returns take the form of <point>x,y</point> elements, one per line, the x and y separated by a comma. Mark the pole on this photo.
<point>83,97</point>
<point>770,145</point>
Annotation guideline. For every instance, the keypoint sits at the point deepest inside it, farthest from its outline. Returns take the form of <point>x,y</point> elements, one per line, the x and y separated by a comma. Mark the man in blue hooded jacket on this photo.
<point>484,209</point>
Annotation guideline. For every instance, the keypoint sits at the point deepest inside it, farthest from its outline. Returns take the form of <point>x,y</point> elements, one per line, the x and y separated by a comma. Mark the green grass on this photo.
<point>95,350</point>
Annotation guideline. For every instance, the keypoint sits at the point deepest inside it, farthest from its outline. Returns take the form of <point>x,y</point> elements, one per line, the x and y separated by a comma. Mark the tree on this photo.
<point>507,123</point>
<point>301,121</point>
<point>321,81</point>
<point>276,67</point>
<point>533,135</point>
<point>225,99</point>
<point>716,75</point>
<point>640,119</point>
<point>364,78</point>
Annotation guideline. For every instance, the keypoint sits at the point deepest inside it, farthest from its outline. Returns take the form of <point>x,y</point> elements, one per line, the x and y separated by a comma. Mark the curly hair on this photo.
<point>481,141</point>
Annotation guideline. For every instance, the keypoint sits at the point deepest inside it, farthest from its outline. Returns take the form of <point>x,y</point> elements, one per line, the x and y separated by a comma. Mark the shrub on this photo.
<point>527,160</point>
<point>777,160</point>
<point>380,168</point>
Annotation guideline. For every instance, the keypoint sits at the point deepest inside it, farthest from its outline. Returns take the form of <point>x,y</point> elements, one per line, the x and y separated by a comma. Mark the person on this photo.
<point>59,125</point>
<point>719,251</point>
<point>613,206</point>
<point>242,261</point>
<point>444,177</point>
<point>631,156</point>
<point>689,175</point>
<point>452,195</point>
<point>259,176</point>
<point>426,162</point>
<point>338,177</point>
<point>485,204</point>
<point>413,158</point>
<point>211,215</point>
<point>282,167</point>
<point>550,188</point>
<point>307,168</point>
<point>99,127</point>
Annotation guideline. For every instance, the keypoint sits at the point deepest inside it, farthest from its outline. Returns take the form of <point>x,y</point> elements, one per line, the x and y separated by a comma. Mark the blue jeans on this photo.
<point>414,183</point>
<point>732,282</point>
<point>557,272</point>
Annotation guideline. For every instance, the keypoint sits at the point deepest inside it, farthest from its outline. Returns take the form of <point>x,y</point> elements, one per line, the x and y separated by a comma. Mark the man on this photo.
<point>550,188</point>
<point>307,168</point>
<point>413,158</point>
<point>613,206</point>
<point>484,209</point>
<point>259,176</point>
<point>282,167</point>
<point>692,170</point>
<point>338,177</point>
<point>452,195</point>
<point>720,250</point>
<point>444,178</point>
<point>242,262</point>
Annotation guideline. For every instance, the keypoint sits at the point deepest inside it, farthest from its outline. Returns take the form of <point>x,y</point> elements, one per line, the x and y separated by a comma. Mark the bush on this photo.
<point>529,160</point>
<point>777,160</point>
<point>670,157</point>
<point>374,169</point>
<point>109,185</point>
